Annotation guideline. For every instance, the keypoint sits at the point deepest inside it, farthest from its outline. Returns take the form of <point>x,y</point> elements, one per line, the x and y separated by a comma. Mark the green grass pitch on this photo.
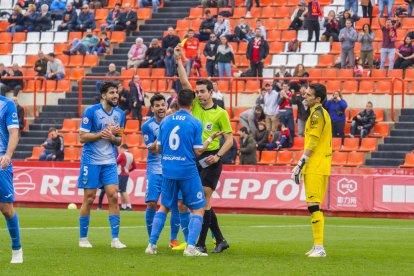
<point>259,245</point>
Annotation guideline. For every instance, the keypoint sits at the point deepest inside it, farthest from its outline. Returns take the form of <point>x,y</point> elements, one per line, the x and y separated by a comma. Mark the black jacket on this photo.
<point>131,16</point>
<point>20,115</point>
<point>134,94</point>
<point>127,103</point>
<point>210,50</point>
<point>230,156</point>
<point>367,119</point>
<point>70,17</point>
<point>170,41</point>
<point>44,21</point>
<point>154,54</point>
<point>41,63</point>
<point>19,20</point>
<point>263,49</point>
<point>207,24</point>
<point>55,146</point>
<point>13,83</point>
<point>303,113</point>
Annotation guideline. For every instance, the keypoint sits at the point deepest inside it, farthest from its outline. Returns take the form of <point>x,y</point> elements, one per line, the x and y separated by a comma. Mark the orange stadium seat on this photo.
<point>63,86</point>
<point>268,157</point>
<point>383,87</point>
<point>144,14</point>
<point>118,37</point>
<point>350,87</point>
<point>64,59</point>
<point>91,61</point>
<point>273,35</point>
<point>50,85</point>
<point>183,25</point>
<point>158,72</point>
<point>378,73</point>
<point>71,154</point>
<point>133,140</point>
<point>351,144</point>
<point>339,158</point>
<point>30,60</point>
<point>101,14</point>
<point>284,24</point>
<point>111,3</point>
<point>223,86</point>
<point>196,13</point>
<point>143,72</point>
<point>146,84</point>
<point>333,85</point>
<point>284,158</point>
<point>6,49</point>
<point>252,86</point>
<point>60,47</point>
<point>366,87</point>
<point>336,48</point>
<point>288,35</point>
<point>355,159</point>
<point>336,144</point>
<point>137,153</point>
<point>31,86</point>
<point>195,24</point>
<point>409,161</point>
<point>329,73</point>
<point>265,3</point>
<point>5,37</point>
<point>326,61</point>
<point>132,3</point>
<point>368,144</point>
<point>70,139</point>
<point>276,47</point>
<point>36,151</point>
<point>346,73</point>
<point>4,25</point>
<point>282,12</point>
<point>315,73</point>
<point>31,72</point>
<point>395,73</point>
<point>77,73</point>
<point>242,48</point>
<point>238,111</point>
<point>268,12</point>
<point>280,3</point>
<point>69,125</point>
<point>127,72</point>
<point>73,35</point>
<point>298,143</point>
<point>380,130</point>
<point>19,37</point>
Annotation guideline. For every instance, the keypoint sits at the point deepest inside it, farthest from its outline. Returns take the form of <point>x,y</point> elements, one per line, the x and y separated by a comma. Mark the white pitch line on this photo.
<point>247,226</point>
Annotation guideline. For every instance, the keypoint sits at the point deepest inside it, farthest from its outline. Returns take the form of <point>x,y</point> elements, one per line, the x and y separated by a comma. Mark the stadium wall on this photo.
<point>242,189</point>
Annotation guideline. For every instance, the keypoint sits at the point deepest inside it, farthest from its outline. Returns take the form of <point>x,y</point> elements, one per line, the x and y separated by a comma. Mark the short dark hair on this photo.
<point>185,98</point>
<point>369,102</point>
<point>320,90</point>
<point>349,19</point>
<point>207,11</point>
<point>106,85</point>
<point>174,106</point>
<point>51,55</point>
<point>190,30</point>
<point>244,129</point>
<point>205,82</point>
<point>156,97</point>
<point>52,129</point>
<point>258,107</point>
<point>124,146</point>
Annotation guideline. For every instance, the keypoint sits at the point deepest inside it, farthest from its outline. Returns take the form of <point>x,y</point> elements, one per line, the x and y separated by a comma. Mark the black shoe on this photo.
<point>66,53</point>
<point>220,247</point>
<point>202,249</point>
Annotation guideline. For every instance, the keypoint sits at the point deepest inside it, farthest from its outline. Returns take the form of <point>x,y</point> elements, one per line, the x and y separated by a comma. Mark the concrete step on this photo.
<point>384,162</point>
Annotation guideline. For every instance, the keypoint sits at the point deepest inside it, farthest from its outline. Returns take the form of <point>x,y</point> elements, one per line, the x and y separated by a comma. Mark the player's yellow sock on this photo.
<point>318,223</point>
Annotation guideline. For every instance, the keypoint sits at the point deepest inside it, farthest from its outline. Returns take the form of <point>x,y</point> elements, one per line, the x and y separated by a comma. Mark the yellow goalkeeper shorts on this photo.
<point>315,187</point>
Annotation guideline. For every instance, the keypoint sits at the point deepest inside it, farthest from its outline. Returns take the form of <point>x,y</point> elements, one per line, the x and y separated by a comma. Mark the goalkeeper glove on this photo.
<point>297,170</point>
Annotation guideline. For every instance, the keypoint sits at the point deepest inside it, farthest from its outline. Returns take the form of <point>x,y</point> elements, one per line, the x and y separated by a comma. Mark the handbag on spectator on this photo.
<point>294,45</point>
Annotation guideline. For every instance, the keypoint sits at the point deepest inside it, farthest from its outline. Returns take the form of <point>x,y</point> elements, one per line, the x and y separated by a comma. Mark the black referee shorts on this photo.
<point>210,175</point>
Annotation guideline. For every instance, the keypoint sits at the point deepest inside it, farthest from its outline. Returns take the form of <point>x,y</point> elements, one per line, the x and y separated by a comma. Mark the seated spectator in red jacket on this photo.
<point>280,140</point>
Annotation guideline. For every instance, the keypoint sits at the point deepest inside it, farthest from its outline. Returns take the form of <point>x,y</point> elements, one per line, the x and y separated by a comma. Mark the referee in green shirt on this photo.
<point>213,118</point>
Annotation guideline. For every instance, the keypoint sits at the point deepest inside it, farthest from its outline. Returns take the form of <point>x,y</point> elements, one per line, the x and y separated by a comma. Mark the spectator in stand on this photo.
<point>77,4</point>
<point>225,58</point>
<point>410,4</point>
<point>332,28</point>
<point>30,18</point>
<point>312,14</point>
<point>171,68</point>
<point>336,107</point>
<point>218,97</point>
<point>111,73</point>
<point>86,20</point>
<point>358,69</point>
<point>261,137</point>
<point>367,8</point>
<point>286,110</point>
<point>39,4</point>
<point>222,26</point>
<point>342,21</point>
<point>16,21</point>
<point>247,152</point>
<point>271,108</point>
<point>172,98</point>
<point>242,31</point>
<point>20,113</point>
<point>149,3</point>
<point>13,84</point>
<point>262,28</point>
<point>260,98</point>
<point>54,147</point>
<point>131,19</point>
<point>229,158</point>
<point>210,52</point>
<point>300,72</point>
<point>43,21</point>
<point>114,18</point>
<point>297,17</point>
<point>83,46</point>
<point>170,40</point>
<point>250,118</point>
<point>206,27</point>
<point>125,99</point>
<point>97,4</point>
<point>281,139</point>
<point>303,112</point>
<point>352,4</point>
<point>249,5</point>
<point>257,51</point>
<point>405,55</point>
<point>57,8</point>
<point>3,73</point>
<point>138,98</point>
<point>136,54</point>
<point>191,46</point>
<point>70,18</point>
<point>381,6</point>
<point>389,36</point>
<point>363,122</point>
<point>348,36</point>
<point>154,57</point>
<point>41,65</point>
<point>366,37</point>
<point>55,69</point>
<point>282,73</point>
<point>103,45</point>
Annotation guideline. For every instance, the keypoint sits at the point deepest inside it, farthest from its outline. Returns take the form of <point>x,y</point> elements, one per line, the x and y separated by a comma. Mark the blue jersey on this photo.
<point>95,119</point>
<point>150,132</point>
<point>8,119</point>
<point>179,134</point>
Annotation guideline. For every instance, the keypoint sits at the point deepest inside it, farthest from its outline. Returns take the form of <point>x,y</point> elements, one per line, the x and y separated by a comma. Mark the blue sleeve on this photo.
<point>148,135</point>
<point>12,120</point>
<point>198,143</point>
<point>160,134</point>
<point>123,120</point>
<point>86,124</point>
<point>343,104</point>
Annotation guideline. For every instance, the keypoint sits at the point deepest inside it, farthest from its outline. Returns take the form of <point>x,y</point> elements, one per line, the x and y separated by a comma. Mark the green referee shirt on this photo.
<point>213,119</point>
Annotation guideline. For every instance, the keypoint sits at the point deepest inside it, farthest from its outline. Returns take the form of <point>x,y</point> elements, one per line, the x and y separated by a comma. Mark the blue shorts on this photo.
<point>6,185</point>
<point>191,189</point>
<point>97,176</point>
<point>153,190</point>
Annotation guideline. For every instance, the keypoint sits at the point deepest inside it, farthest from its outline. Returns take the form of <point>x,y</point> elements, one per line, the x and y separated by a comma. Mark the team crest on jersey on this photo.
<point>199,195</point>
<point>146,138</point>
<point>85,120</point>
<point>209,127</point>
<point>14,115</point>
<point>116,119</point>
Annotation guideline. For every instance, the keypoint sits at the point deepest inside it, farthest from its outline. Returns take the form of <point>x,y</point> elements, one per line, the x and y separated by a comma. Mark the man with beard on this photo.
<point>150,132</point>
<point>101,132</point>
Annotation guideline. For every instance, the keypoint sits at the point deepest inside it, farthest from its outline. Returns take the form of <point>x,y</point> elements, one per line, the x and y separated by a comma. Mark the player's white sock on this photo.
<point>83,242</point>
<point>116,243</point>
<point>123,205</point>
<point>129,205</point>
<point>17,256</point>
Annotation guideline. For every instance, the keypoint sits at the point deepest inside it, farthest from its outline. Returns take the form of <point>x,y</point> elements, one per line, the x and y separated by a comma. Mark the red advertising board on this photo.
<point>393,194</point>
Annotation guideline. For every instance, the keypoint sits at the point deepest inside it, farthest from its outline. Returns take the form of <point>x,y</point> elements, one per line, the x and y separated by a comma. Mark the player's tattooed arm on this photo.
<point>154,148</point>
<point>178,54</point>
<point>108,133</point>
<point>86,137</point>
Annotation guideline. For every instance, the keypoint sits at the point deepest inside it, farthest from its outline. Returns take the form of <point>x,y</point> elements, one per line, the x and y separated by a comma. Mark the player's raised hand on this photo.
<point>178,52</point>
<point>4,161</point>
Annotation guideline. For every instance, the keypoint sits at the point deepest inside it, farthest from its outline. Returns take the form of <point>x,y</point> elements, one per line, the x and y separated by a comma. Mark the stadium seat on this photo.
<point>368,144</point>
<point>33,37</point>
<point>409,75</point>
<point>355,159</point>
<point>137,153</point>
<point>143,72</point>
<point>73,35</point>
<point>145,14</point>
<point>46,37</point>
<point>379,115</point>
<point>294,60</point>
<point>50,85</point>
<point>5,37</point>
<point>48,48</point>
<point>101,14</point>
<point>366,87</point>
<point>60,47</point>
<point>323,47</point>
<point>69,125</point>
<point>223,86</point>
<point>6,49</point>
<point>409,161</point>
<point>77,73</point>
<point>63,86</point>
<point>132,140</point>
<point>269,12</point>
<point>339,158</point>
<point>282,12</point>
<point>238,111</point>
<point>383,87</point>
<point>346,73</point>
<point>183,25</point>
<point>60,37</point>
<point>268,157</point>
<point>380,130</point>
<point>252,86</point>
<point>315,73</point>
<point>32,49</point>
<point>196,13</point>
<point>298,143</point>
<point>307,47</point>
<point>350,87</point>
<point>273,35</point>
<point>284,158</point>
<point>395,73</point>
<point>326,61</point>
<point>329,73</point>
<point>127,72</point>
<point>378,73</point>
<point>351,144</point>
<point>75,60</point>
<point>117,37</point>
<point>71,154</point>
<point>19,48</point>
<point>36,151</point>
<point>32,85</point>
<point>70,139</point>
<point>90,61</point>
<point>336,144</point>
<point>275,47</point>
<point>242,48</point>
<point>333,85</point>
<point>19,59</point>
<point>310,61</point>
<point>288,35</point>
<point>284,24</point>
<point>19,37</point>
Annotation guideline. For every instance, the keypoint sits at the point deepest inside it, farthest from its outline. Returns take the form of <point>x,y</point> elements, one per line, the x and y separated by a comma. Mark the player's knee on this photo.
<point>313,208</point>
<point>199,212</point>
<point>181,207</point>
<point>7,210</point>
<point>152,205</point>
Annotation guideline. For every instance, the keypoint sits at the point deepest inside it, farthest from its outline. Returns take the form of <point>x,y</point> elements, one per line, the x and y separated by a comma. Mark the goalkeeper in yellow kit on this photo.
<point>315,164</point>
